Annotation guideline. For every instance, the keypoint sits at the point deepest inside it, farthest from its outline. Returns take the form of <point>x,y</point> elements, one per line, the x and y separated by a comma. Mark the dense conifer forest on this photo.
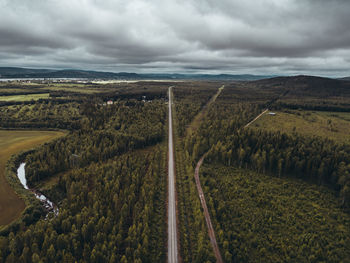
<point>272,195</point>
<point>110,174</point>
<point>249,175</point>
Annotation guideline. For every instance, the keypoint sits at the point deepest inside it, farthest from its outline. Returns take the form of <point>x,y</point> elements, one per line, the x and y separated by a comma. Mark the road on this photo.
<point>198,118</point>
<point>213,99</point>
<point>172,227</point>
<point>211,232</point>
<point>257,117</point>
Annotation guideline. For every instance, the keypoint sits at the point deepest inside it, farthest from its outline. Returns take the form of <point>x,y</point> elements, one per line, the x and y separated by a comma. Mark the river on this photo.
<point>49,206</point>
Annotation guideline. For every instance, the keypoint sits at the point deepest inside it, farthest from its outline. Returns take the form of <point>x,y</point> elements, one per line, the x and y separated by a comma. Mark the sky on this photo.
<point>274,37</point>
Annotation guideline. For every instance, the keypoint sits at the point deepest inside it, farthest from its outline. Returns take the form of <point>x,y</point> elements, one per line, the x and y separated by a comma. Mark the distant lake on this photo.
<point>25,79</point>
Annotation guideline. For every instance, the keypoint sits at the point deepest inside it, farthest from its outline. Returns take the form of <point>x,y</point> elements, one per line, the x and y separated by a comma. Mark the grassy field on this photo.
<point>12,142</point>
<point>45,88</point>
<point>27,97</point>
<point>260,218</point>
<point>332,125</point>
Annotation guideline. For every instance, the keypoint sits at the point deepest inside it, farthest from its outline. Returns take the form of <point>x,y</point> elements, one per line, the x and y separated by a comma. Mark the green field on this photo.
<point>37,91</point>
<point>12,142</point>
<point>332,125</point>
<point>260,218</point>
<point>26,97</point>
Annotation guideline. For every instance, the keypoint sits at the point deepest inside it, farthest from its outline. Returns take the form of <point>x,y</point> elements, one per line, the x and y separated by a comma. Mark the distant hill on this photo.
<point>67,73</point>
<point>299,86</point>
<point>243,77</point>
<point>10,73</point>
<point>346,78</point>
<point>306,92</point>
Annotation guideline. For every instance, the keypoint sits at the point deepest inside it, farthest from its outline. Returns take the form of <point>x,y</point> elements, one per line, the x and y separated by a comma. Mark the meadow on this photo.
<point>25,97</point>
<point>331,125</point>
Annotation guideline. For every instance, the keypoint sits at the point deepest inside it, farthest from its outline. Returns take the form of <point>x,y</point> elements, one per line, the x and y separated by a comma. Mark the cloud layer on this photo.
<point>255,36</point>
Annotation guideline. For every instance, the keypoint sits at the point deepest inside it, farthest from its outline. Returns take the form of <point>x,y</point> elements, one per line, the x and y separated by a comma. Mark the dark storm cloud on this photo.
<point>266,36</point>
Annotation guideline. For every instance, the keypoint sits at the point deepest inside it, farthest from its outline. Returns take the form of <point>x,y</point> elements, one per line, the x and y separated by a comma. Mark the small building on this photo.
<point>272,113</point>
<point>110,102</point>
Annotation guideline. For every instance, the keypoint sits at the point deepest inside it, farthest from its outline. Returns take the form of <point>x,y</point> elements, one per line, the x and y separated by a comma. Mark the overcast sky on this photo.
<point>187,36</point>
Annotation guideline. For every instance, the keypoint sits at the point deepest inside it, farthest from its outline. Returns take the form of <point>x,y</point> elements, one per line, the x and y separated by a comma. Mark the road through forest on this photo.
<point>198,118</point>
<point>257,117</point>
<point>211,232</point>
<point>172,227</point>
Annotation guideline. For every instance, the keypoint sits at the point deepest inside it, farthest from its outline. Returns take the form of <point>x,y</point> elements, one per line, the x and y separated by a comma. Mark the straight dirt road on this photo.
<point>211,232</point>
<point>257,117</point>
<point>172,227</point>
<point>198,118</point>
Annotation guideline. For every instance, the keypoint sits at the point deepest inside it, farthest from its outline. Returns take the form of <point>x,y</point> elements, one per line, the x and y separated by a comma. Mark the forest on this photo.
<point>246,168</point>
<point>110,184</point>
<point>280,219</point>
<point>273,194</point>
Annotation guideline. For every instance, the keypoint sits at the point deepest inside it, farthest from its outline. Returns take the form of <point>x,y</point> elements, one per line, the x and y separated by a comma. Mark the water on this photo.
<point>41,79</point>
<point>50,206</point>
<point>22,175</point>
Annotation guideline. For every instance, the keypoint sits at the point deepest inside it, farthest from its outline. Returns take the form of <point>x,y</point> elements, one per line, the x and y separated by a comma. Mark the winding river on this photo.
<point>49,206</point>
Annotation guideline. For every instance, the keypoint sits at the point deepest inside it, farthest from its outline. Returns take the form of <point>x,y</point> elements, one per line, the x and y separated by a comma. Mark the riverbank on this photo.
<point>47,204</point>
<point>13,142</point>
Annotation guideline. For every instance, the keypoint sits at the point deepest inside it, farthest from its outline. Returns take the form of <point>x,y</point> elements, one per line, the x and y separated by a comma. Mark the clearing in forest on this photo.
<point>331,125</point>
